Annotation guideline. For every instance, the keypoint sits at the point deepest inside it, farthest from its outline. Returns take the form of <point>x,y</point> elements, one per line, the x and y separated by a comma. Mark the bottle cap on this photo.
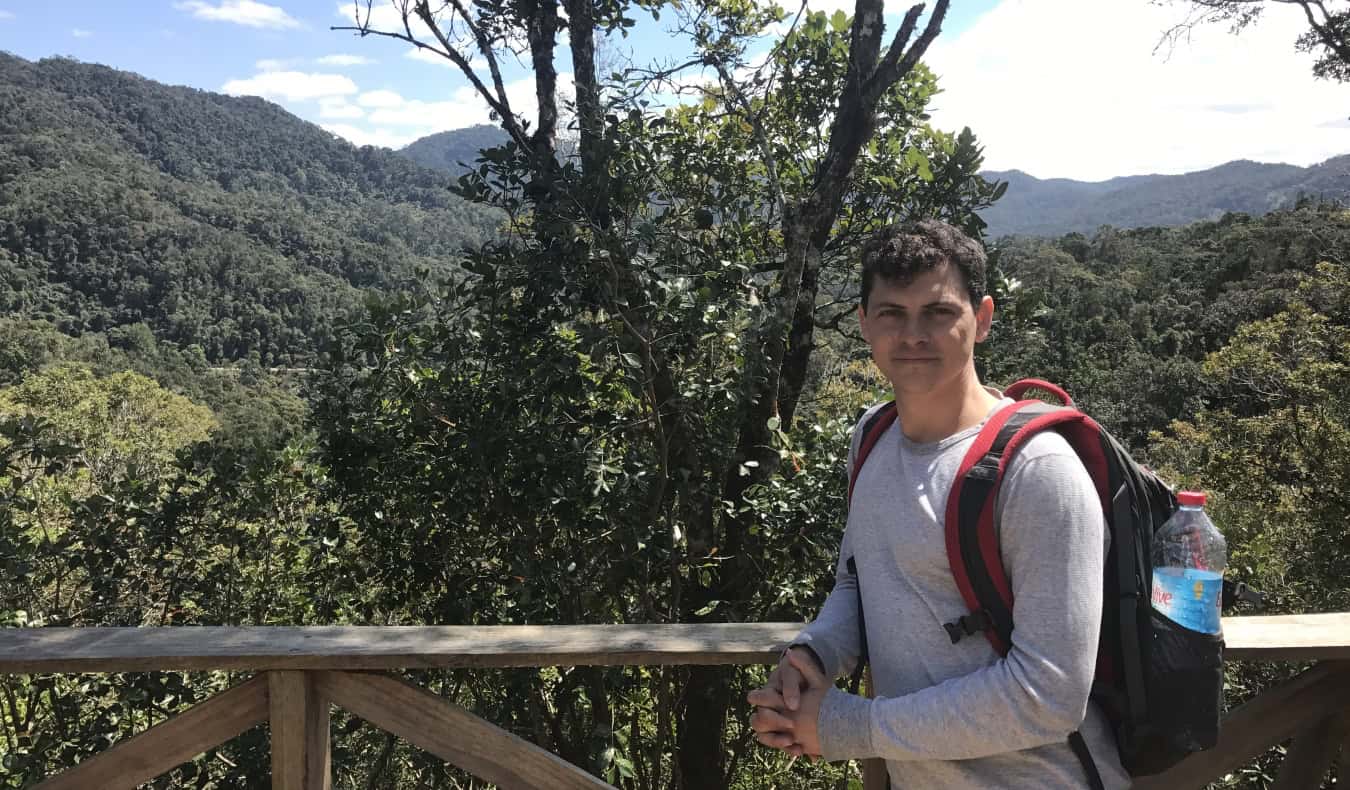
<point>1192,498</point>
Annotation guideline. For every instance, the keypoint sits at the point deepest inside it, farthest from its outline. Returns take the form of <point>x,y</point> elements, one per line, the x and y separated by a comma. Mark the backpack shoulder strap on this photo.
<point>872,430</point>
<point>972,536</point>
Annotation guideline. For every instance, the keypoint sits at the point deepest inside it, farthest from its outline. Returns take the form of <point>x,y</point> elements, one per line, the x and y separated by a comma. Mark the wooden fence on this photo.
<point>302,672</point>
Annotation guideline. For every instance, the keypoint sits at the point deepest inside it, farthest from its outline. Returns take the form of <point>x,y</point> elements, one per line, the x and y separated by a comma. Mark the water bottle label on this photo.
<point>1189,597</point>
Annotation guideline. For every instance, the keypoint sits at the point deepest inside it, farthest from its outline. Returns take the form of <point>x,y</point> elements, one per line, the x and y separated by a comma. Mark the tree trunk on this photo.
<point>787,346</point>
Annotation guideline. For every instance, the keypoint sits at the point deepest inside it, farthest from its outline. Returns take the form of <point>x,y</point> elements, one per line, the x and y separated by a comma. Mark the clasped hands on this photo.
<point>787,707</point>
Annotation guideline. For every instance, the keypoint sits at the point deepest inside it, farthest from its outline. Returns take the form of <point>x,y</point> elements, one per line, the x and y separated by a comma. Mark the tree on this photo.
<point>1327,36</point>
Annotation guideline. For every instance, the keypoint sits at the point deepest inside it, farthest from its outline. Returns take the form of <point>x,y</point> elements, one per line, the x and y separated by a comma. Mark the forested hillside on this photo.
<point>217,222</point>
<point>452,151</point>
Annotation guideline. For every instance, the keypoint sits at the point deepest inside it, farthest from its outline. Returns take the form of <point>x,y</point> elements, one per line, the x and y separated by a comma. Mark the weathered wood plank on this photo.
<point>1272,717</point>
<point>1311,754</point>
<point>286,698</point>
<point>27,650</point>
<point>1294,637</point>
<point>318,738</point>
<point>169,744</point>
<point>452,733</point>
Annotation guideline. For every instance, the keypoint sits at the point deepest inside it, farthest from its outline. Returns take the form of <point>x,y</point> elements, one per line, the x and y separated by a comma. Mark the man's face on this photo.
<point>923,334</point>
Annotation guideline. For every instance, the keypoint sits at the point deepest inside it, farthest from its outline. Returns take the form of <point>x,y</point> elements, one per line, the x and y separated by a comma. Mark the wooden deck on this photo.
<point>303,671</point>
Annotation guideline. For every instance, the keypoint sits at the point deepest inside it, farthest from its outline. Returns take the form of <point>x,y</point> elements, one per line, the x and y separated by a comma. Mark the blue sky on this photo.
<point>1058,88</point>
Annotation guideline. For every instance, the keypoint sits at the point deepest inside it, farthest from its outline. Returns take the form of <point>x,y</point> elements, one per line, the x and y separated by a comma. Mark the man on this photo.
<point>949,715</point>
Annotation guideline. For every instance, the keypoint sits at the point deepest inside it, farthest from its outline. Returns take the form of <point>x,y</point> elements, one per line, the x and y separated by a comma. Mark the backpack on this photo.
<point>1161,685</point>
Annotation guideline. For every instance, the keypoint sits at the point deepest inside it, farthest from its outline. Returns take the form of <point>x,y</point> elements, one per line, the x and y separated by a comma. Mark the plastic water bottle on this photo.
<point>1189,556</point>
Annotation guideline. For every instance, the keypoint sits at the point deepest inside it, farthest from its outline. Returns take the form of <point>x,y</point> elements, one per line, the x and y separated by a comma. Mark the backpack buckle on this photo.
<point>968,625</point>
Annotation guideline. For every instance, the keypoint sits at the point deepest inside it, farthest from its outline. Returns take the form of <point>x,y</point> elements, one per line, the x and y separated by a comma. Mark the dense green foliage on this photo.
<point>1050,207</point>
<point>218,222</point>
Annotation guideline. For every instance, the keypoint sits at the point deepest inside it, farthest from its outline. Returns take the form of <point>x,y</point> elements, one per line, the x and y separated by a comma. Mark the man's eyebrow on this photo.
<point>934,303</point>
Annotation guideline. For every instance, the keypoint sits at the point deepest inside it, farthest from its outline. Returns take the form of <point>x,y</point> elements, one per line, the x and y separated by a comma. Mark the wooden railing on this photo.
<point>302,672</point>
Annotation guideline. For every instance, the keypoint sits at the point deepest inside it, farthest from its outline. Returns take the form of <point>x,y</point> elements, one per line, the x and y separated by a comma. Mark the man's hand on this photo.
<point>804,719</point>
<point>786,708</point>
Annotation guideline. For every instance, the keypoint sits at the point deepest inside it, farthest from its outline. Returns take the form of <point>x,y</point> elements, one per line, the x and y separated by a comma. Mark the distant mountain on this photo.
<point>1053,207</point>
<point>220,222</point>
<point>452,151</point>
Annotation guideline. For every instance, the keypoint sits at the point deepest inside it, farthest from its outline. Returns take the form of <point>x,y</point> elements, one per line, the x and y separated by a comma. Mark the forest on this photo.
<point>253,375</point>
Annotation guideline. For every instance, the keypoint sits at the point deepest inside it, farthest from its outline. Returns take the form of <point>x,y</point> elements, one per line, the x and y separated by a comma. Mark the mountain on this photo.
<point>217,222</point>
<point>1052,207</point>
<point>454,150</point>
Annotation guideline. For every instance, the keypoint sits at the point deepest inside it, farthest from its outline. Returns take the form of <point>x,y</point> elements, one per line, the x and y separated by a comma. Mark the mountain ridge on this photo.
<point>1053,207</point>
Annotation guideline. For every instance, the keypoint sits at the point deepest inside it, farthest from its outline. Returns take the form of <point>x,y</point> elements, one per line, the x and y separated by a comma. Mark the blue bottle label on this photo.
<point>1189,597</point>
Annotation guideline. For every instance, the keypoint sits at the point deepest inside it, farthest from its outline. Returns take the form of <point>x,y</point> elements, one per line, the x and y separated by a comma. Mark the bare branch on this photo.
<point>891,70</point>
<point>484,47</point>
<point>497,102</point>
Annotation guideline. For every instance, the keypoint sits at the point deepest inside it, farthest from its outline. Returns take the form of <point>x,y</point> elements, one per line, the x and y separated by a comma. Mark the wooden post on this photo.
<point>300,732</point>
<point>318,737</point>
<point>286,703</point>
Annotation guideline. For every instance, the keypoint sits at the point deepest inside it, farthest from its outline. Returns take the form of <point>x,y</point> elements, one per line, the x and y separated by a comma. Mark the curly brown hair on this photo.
<point>902,251</point>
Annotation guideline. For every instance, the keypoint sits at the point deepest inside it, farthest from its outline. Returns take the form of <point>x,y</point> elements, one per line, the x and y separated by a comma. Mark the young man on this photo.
<point>949,715</point>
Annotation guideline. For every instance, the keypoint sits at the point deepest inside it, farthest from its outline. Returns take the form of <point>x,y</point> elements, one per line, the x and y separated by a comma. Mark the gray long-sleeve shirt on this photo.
<point>958,715</point>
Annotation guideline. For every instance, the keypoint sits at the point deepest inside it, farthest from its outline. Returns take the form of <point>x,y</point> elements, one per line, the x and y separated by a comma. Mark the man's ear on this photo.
<point>862,323</point>
<point>984,319</point>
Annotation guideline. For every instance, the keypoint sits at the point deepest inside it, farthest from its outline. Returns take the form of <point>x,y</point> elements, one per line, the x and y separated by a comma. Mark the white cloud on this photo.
<point>241,12</point>
<point>381,137</point>
<point>273,64</point>
<point>396,123</point>
<point>78,33</point>
<point>380,98</point>
<point>344,60</point>
<point>337,107</point>
<point>5,15</point>
<point>1073,88</point>
<point>291,86</point>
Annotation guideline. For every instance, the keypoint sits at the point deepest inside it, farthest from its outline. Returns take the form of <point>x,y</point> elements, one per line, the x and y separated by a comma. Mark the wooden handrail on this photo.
<point>306,669</point>
<point>26,650</point>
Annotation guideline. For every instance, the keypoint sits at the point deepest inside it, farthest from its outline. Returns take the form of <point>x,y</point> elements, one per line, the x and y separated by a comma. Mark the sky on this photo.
<point>1056,88</point>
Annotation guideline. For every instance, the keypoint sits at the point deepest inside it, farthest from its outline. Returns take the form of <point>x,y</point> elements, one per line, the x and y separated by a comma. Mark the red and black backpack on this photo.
<point>1160,684</point>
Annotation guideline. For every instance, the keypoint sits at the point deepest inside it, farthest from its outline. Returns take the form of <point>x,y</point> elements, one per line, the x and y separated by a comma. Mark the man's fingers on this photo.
<point>765,698</point>
<point>776,679</point>
<point>776,740</point>
<point>766,720</point>
<point>806,667</point>
<point>792,683</point>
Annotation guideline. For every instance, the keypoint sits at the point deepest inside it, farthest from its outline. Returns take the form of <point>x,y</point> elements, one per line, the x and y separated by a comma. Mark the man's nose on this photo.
<point>912,332</point>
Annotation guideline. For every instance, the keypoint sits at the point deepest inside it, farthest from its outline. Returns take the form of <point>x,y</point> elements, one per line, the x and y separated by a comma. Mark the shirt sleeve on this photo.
<point>1052,536</point>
